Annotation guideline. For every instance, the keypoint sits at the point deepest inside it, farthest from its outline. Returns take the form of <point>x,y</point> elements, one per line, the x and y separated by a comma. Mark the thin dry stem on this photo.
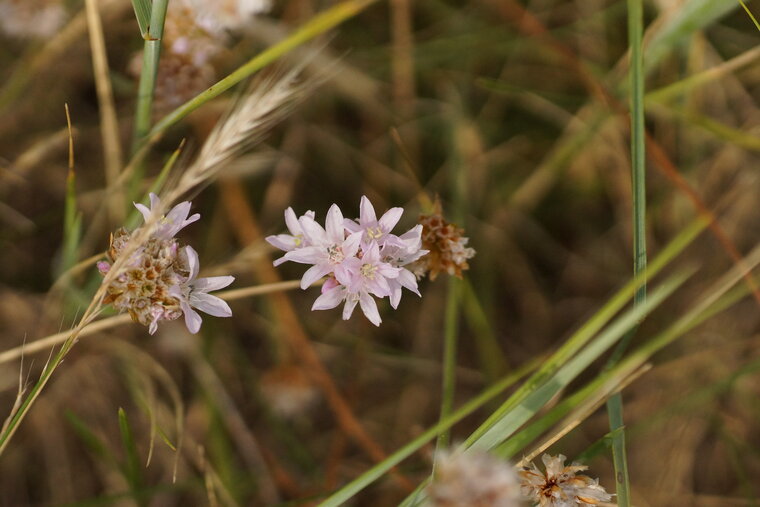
<point>107,323</point>
<point>108,122</point>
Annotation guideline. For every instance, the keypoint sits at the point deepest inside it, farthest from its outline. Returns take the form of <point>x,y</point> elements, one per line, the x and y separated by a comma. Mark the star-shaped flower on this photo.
<point>194,293</point>
<point>171,223</point>
<point>375,230</point>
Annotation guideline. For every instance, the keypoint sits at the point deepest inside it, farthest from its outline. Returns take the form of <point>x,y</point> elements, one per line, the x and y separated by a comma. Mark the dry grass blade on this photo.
<point>267,102</point>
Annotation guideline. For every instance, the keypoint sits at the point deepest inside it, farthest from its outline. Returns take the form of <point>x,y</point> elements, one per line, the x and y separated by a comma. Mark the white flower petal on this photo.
<point>395,296</point>
<point>284,242</point>
<point>330,299</point>
<point>313,232</point>
<point>313,274</point>
<point>366,211</point>
<point>351,226</point>
<point>210,304</point>
<point>407,279</point>
<point>292,222</point>
<point>369,307</point>
<point>144,211</point>
<point>212,283</point>
<point>192,319</point>
<point>389,220</point>
<point>307,255</point>
<point>348,308</point>
<point>334,225</point>
<point>178,213</point>
<point>192,262</point>
<point>351,244</point>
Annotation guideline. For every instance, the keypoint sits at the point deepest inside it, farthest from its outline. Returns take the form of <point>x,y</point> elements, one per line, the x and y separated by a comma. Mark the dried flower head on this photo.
<point>159,281</point>
<point>560,486</point>
<point>196,32</point>
<point>31,19</point>
<point>361,258</point>
<point>473,479</point>
<point>448,248</point>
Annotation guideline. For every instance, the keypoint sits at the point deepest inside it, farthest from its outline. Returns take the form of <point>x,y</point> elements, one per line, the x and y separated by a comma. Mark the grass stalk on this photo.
<point>450,334</point>
<point>109,123</point>
<point>149,71</point>
<point>638,180</point>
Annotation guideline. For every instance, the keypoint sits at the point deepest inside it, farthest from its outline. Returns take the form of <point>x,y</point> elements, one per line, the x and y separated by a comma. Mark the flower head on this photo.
<point>362,260</point>
<point>448,250</point>
<point>560,486</point>
<point>158,281</point>
<point>473,479</point>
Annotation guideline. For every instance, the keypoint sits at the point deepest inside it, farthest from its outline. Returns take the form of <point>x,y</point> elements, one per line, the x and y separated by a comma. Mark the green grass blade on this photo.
<point>134,216</point>
<point>318,25</point>
<point>749,13</point>
<point>349,490</point>
<point>132,462</point>
<point>451,333</point>
<point>594,324</point>
<point>638,182</point>
<point>148,73</point>
<point>533,401</point>
<point>90,439</point>
<point>142,13</point>
<point>694,15</point>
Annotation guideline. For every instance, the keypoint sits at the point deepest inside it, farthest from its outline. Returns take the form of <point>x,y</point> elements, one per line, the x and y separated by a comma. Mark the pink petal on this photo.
<point>330,299</point>
<point>407,279</point>
<point>313,232</point>
<point>348,308</point>
<point>313,274</point>
<point>292,222</point>
<point>366,211</point>
<point>192,319</point>
<point>212,283</point>
<point>155,202</point>
<point>307,255</point>
<point>284,242</point>
<point>395,296</point>
<point>351,244</point>
<point>334,225</point>
<point>144,211</point>
<point>351,226</point>
<point>347,271</point>
<point>178,214</point>
<point>210,304</point>
<point>389,220</point>
<point>192,262</point>
<point>369,307</point>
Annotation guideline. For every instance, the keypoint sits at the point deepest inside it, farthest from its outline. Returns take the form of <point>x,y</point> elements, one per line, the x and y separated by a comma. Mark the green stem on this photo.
<point>638,177</point>
<point>450,335</point>
<point>151,56</point>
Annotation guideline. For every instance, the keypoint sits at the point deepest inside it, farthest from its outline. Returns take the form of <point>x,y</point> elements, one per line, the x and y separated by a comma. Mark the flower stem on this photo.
<point>450,335</point>
<point>151,56</point>
<point>638,171</point>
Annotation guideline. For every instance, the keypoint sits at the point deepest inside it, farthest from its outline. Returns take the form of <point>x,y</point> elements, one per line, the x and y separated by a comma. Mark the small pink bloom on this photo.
<point>292,241</point>
<point>171,223</point>
<point>194,293</point>
<point>375,230</point>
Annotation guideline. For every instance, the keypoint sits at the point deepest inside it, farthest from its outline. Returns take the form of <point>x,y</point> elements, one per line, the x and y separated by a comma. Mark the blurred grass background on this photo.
<point>514,113</point>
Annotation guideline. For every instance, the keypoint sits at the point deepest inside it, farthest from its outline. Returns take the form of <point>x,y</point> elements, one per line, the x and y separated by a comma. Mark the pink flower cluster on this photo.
<point>159,281</point>
<point>361,258</point>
